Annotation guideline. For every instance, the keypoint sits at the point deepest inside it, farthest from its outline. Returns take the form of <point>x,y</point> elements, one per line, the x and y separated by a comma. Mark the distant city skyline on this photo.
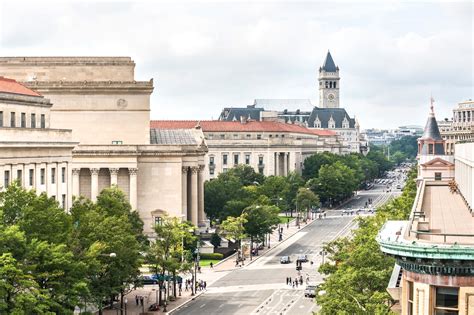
<point>204,56</point>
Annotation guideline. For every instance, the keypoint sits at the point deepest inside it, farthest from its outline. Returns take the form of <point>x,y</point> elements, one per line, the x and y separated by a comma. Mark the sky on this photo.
<point>206,55</point>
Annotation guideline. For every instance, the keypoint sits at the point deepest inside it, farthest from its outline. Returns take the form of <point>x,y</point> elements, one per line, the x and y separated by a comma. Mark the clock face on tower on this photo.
<point>331,97</point>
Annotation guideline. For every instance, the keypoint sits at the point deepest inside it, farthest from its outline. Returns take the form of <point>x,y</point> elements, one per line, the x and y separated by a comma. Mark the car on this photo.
<point>399,187</point>
<point>302,258</point>
<point>146,280</point>
<point>285,260</point>
<point>310,290</point>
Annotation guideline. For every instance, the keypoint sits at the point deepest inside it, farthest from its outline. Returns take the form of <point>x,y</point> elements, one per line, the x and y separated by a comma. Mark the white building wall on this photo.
<point>464,170</point>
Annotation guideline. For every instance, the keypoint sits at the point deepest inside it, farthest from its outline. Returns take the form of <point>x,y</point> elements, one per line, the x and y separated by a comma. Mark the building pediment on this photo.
<point>437,162</point>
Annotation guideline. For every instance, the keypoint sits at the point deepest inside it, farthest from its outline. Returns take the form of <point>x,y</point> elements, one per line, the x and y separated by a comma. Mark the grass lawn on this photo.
<point>207,262</point>
<point>284,219</point>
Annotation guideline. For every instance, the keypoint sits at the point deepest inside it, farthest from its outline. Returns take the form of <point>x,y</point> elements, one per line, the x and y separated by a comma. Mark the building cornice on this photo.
<point>78,87</point>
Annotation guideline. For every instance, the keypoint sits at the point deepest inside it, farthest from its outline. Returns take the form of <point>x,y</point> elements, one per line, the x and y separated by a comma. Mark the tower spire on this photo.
<point>432,104</point>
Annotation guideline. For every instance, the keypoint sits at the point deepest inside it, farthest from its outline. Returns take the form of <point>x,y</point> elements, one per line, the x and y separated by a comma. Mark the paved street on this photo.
<point>259,288</point>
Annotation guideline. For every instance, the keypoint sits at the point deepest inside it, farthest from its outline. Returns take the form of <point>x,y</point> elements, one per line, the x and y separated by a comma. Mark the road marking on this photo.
<point>202,305</point>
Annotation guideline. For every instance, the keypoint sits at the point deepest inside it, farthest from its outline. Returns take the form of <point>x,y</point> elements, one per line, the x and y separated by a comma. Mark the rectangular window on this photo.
<point>446,301</point>
<point>43,121</point>
<point>31,177</point>
<point>63,174</point>
<point>12,119</point>
<point>23,120</point>
<point>222,136</point>
<point>260,160</point>
<point>158,220</point>
<point>247,159</point>
<point>249,136</point>
<point>236,136</point>
<point>33,120</point>
<point>63,201</point>
<point>410,298</point>
<point>210,136</point>
<point>19,175</point>
<point>224,159</point>
<point>1,119</point>
<point>437,176</point>
<point>53,175</point>
<point>430,149</point>
<point>6,179</point>
<point>259,137</point>
<point>117,142</point>
<point>211,160</point>
<point>42,173</point>
<point>236,159</point>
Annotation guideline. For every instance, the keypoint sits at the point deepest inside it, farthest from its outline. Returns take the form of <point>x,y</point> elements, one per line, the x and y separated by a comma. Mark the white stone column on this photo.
<point>113,176</point>
<point>133,187</point>
<point>194,195</point>
<point>184,193</point>
<point>75,181</point>
<point>200,183</point>
<point>94,183</point>
<point>277,163</point>
<point>285,164</point>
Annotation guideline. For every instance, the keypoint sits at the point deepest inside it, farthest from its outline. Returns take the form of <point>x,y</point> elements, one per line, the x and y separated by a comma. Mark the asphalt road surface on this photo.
<point>260,288</point>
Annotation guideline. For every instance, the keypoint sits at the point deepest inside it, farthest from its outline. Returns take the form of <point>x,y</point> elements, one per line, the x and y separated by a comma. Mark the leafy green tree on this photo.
<point>407,146</point>
<point>261,219</point>
<point>357,272</point>
<point>313,163</point>
<point>233,227</point>
<point>166,254</point>
<point>307,199</point>
<point>19,293</point>
<point>276,188</point>
<point>100,229</point>
<point>245,174</point>
<point>215,240</point>
<point>218,192</point>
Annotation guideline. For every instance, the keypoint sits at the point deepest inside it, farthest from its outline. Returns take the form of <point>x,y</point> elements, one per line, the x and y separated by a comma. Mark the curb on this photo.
<point>184,303</point>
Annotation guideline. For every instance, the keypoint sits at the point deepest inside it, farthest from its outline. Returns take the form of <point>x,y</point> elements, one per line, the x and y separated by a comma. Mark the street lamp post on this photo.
<point>323,253</point>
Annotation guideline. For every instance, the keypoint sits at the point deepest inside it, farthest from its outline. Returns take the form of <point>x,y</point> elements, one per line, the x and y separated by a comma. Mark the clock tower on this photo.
<point>329,84</point>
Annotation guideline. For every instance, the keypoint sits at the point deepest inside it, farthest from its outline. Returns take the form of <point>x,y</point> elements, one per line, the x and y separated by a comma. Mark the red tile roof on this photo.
<point>12,86</point>
<point>237,126</point>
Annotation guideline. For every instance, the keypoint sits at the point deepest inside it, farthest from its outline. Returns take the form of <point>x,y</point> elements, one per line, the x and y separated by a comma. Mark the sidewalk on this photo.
<point>207,274</point>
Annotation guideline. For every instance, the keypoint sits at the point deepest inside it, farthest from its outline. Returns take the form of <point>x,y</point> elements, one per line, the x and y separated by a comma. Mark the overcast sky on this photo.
<point>206,55</point>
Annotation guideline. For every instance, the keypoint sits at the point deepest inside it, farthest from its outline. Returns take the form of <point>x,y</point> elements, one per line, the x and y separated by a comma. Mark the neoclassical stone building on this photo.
<point>31,152</point>
<point>108,113</point>
<point>270,147</point>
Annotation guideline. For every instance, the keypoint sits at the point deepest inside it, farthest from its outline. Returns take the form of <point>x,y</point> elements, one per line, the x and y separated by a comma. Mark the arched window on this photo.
<point>327,85</point>
<point>334,84</point>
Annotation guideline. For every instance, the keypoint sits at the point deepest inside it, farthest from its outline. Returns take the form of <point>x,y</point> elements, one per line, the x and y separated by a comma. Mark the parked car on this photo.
<point>285,260</point>
<point>302,258</point>
<point>148,280</point>
<point>310,291</point>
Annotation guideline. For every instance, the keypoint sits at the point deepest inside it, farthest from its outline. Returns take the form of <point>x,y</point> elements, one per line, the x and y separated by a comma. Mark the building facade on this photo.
<point>34,154</point>
<point>108,112</point>
<point>328,115</point>
<point>434,249</point>
<point>461,127</point>
<point>270,147</point>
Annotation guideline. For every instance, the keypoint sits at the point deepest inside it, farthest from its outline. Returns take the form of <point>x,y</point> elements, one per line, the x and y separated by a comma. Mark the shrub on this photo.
<point>217,256</point>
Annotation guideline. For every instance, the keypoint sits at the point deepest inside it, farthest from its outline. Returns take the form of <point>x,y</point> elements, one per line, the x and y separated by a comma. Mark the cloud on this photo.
<point>206,55</point>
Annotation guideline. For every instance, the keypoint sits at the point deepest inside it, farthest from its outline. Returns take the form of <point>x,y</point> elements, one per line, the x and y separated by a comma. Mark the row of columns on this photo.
<point>281,169</point>
<point>113,181</point>
<point>464,116</point>
<point>192,184</point>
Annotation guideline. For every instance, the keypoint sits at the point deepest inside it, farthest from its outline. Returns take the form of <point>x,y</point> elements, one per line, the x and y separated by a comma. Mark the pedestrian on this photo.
<point>212,265</point>
<point>296,283</point>
<point>186,286</point>
<point>199,269</point>
<point>205,285</point>
<point>293,284</point>
<point>289,280</point>
<point>141,300</point>
<point>312,262</point>
<point>136,299</point>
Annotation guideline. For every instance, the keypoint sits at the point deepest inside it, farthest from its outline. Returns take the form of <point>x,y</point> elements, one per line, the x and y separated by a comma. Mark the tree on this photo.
<point>313,163</point>
<point>166,254</point>
<point>233,227</point>
<point>100,229</point>
<point>357,272</point>
<point>261,219</point>
<point>275,188</point>
<point>218,192</point>
<point>245,174</point>
<point>215,240</point>
<point>307,199</point>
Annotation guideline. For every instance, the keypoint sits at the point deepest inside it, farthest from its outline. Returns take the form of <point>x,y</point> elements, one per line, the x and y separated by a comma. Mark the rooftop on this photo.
<point>173,137</point>
<point>237,126</point>
<point>13,87</point>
